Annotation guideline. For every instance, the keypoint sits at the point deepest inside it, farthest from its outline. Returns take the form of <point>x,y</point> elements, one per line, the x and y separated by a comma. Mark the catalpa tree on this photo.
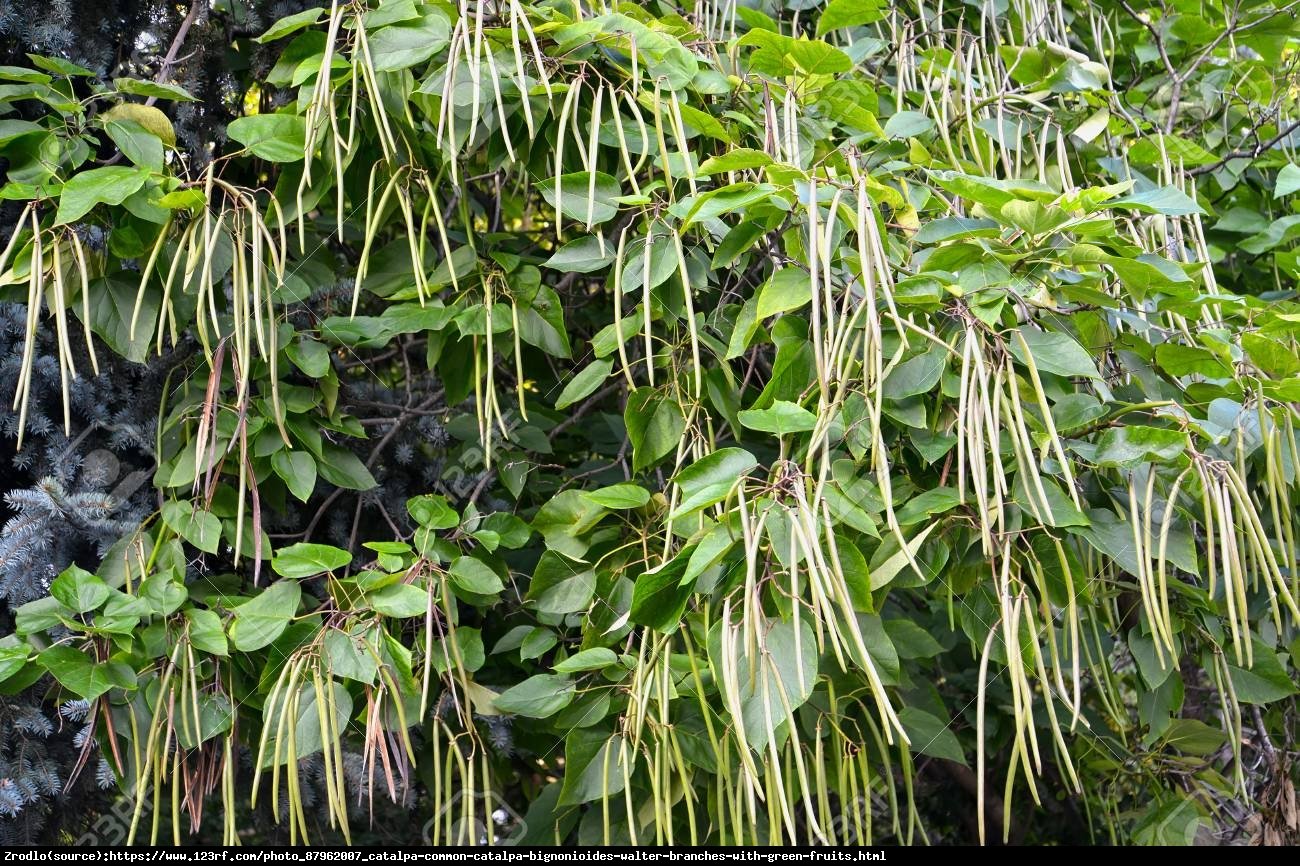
<point>663,423</point>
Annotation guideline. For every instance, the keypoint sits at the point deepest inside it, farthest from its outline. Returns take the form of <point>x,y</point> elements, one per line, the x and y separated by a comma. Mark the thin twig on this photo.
<point>1252,153</point>
<point>1264,740</point>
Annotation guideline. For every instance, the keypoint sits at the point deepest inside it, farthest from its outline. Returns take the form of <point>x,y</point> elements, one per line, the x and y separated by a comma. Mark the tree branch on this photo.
<point>173,50</point>
<point>1250,153</point>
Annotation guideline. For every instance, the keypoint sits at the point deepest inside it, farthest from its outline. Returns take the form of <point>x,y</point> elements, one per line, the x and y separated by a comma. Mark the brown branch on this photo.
<point>1269,749</point>
<point>173,50</point>
<point>970,783</point>
<point>1250,153</point>
<point>1178,79</point>
<point>586,407</point>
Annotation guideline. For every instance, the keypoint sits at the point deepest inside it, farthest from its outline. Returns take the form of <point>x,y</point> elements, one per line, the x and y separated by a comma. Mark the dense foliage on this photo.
<point>734,422</point>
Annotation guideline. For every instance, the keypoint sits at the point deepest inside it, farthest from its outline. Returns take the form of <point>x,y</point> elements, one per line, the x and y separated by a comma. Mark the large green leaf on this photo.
<point>620,496</point>
<point>1167,200</point>
<point>582,256</point>
<point>112,307</point>
<point>787,289</point>
<point>1136,445</point>
<point>593,767</point>
<point>660,595</point>
<point>1288,180</point>
<point>579,197</point>
<point>199,527</point>
<point>78,590</point>
<point>538,697</point>
<point>916,375</point>
<point>930,736</point>
<point>307,560</point>
<point>399,600</point>
<point>840,14</point>
<point>263,618</point>
<point>399,46</point>
<point>708,480</point>
<point>716,202</point>
<point>561,585</point>
<point>782,418</point>
<point>273,137</point>
<point>661,55</point>
<point>475,577</point>
<point>108,185</point>
<point>587,381</point>
<point>349,656</point>
<point>298,471</point>
<point>83,675</point>
<point>1052,352</point>
<point>587,660</point>
<point>654,424</point>
<point>291,24</point>
<point>1113,537</point>
<point>1265,680</point>
<point>778,55</point>
<point>142,147</point>
<point>206,632</point>
<point>340,467</point>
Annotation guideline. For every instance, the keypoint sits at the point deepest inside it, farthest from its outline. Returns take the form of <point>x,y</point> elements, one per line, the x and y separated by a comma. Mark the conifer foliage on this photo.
<point>660,423</point>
